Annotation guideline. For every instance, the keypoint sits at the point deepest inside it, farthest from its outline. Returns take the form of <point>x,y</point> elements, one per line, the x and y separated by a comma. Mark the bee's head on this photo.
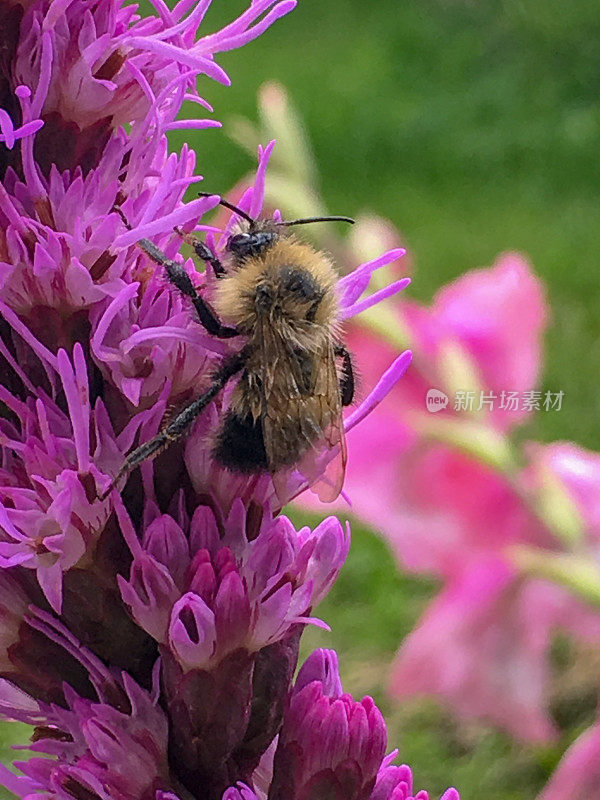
<point>261,233</point>
<point>252,242</point>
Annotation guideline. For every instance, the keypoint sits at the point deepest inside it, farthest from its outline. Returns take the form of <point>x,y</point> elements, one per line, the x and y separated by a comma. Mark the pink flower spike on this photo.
<point>186,580</point>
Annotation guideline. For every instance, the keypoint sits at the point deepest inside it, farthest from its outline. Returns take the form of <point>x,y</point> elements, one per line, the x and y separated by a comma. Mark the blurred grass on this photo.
<point>475,127</point>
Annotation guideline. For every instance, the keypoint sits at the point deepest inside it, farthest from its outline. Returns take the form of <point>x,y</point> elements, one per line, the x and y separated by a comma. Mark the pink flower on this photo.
<point>483,647</point>
<point>331,745</point>
<point>482,332</point>
<point>49,512</point>
<point>437,515</point>
<point>94,748</point>
<point>151,637</point>
<point>498,315</point>
<point>578,471</point>
<point>577,776</point>
<point>483,644</point>
<point>217,587</point>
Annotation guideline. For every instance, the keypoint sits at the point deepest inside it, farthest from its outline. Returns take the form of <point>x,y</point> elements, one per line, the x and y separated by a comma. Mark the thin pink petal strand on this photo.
<point>23,331</point>
<point>384,386</point>
<point>258,192</point>
<point>166,224</point>
<point>241,39</point>
<point>375,298</point>
<point>351,286</point>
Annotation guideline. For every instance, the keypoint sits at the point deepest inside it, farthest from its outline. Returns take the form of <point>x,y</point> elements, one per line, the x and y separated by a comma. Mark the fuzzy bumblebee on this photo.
<point>293,372</point>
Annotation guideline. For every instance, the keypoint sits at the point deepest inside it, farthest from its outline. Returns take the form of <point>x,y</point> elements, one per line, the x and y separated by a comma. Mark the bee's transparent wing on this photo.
<point>302,413</point>
<point>324,465</point>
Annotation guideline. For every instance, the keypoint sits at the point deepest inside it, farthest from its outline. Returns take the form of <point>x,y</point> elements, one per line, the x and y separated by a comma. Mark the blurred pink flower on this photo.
<point>578,471</point>
<point>483,644</point>
<point>436,515</point>
<point>577,777</point>
<point>499,316</point>
<point>494,318</point>
<point>483,647</point>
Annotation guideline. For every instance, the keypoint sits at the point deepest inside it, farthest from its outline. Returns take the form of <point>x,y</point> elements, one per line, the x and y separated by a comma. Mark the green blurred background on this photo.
<point>474,125</point>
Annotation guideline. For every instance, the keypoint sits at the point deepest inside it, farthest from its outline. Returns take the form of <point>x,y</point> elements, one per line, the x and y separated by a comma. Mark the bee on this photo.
<point>293,372</point>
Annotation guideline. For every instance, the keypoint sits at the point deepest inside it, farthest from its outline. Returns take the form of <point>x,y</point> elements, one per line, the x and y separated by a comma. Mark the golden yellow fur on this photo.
<point>235,294</point>
<point>293,372</point>
<point>284,301</point>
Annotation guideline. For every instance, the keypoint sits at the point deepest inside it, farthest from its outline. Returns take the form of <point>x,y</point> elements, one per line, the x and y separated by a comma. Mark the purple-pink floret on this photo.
<point>206,589</point>
<point>150,638</point>
<point>114,747</point>
<point>333,746</point>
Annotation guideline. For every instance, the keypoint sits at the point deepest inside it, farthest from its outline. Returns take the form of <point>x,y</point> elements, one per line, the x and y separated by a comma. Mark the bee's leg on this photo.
<point>179,278</point>
<point>203,252</point>
<point>347,379</point>
<point>147,450</point>
<point>178,426</point>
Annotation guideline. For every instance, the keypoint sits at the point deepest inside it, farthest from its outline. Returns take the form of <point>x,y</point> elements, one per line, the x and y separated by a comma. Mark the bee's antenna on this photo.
<point>306,220</point>
<point>228,205</point>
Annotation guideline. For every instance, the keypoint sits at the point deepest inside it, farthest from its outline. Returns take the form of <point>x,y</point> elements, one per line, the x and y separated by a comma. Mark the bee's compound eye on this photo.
<point>250,244</point>
<point>239,242</point>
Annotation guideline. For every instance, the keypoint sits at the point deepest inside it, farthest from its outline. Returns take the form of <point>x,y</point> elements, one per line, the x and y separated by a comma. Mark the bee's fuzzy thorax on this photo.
<point>236,294</point>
